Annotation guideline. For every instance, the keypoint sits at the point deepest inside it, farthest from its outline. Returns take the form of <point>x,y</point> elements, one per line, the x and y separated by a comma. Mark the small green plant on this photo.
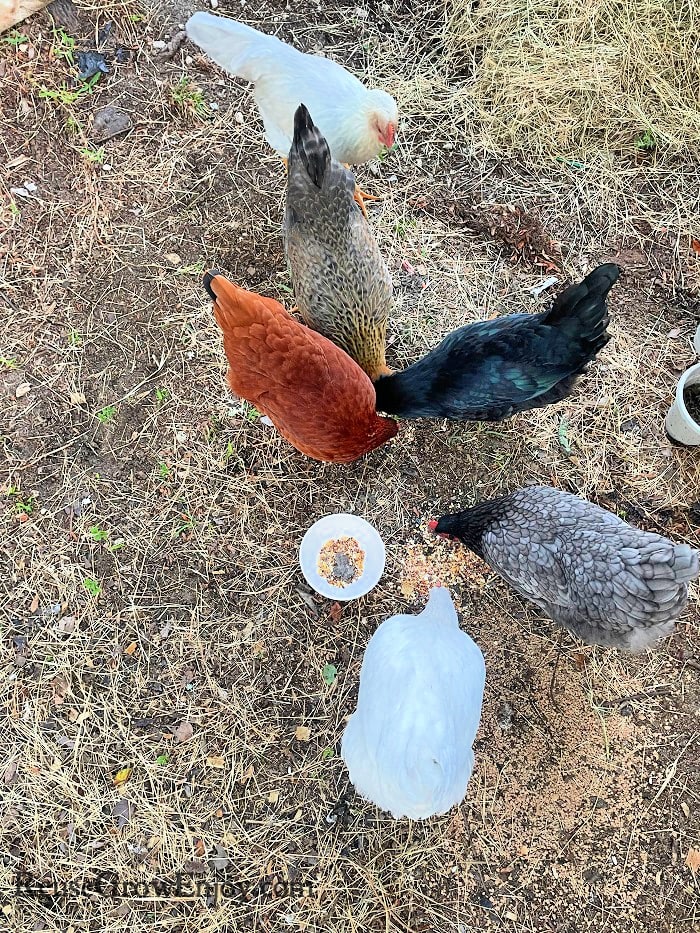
<point>25,507</point>
<point>97,533</point>
<point>163,470</point>
<point>252,414</point>
<point>92,586</point>
<point>386,152</point>
<point>329,673</point>
<point>184,525</point>
<point>66,96</point>
<point>188,98</point>
<point>326,754</point>
<point>195,268</point>
<point>15,38</point>
<point>63,46</point>
<point>405,226</point>
<point>162,395</point>
<point>107,413</point>
<point>117,544</point>
<point>162,760</point>
<point>646,142</point>
<point>136,17</point>
<point>228,453</point>
<point>96,156</point>
<point>8,362</point>
<point>75,339</point>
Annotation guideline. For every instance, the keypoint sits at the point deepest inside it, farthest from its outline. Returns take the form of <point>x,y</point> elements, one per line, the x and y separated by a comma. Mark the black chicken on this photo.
<point>492,369</point>
<point>601,579</point>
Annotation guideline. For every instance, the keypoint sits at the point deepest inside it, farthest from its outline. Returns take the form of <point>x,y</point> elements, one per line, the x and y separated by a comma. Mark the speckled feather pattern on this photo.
<point>316,396</point>
<point>600,578</point>
<point>342,286</point>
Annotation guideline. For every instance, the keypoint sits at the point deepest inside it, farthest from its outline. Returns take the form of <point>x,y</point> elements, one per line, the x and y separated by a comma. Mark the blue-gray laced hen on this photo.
<point>493,369</point>
<point>599,578</point>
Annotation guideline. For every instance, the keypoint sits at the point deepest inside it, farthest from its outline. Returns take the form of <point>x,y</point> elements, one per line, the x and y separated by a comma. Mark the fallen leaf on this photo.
<point>60,689</point>
<point>122,776</point>
<point>675,333</point>
<point>22,389</point>
<point>10,773</point>
<point>66,625</point>
<point>336,612</point>
<point>695,245</point>
<point>247,775</point>
<point>199,848</point>
<point>122,811</point>
<point>77,398</point>
<point>34,605</point>
<point>692,860</point>
<point>216,761</point>
<point>130,648</point>
<point>184,732</point>
<point>329,673</point>
<point>273,796</point>
<point>302,733</point>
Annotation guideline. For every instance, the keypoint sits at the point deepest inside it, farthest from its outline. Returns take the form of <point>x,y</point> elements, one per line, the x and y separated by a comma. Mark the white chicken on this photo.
<point>356,121</point>
<point>408,746</point>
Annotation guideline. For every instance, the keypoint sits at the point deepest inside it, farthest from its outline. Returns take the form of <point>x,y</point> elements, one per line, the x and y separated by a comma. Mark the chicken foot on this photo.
<point>362,196</point>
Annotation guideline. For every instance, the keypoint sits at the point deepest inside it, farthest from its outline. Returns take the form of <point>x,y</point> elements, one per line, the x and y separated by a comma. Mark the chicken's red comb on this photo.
<point>432,525</point>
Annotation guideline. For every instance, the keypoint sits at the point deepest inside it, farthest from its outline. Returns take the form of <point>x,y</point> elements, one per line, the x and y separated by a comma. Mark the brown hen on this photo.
<point>316,396</point>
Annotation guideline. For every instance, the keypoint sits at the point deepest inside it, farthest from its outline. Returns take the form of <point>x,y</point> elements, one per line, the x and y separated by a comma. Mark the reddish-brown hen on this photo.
<point>317,397</point>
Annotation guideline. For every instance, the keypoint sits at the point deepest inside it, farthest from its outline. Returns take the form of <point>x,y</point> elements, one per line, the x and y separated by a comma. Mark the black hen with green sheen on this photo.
<point>492,369</point>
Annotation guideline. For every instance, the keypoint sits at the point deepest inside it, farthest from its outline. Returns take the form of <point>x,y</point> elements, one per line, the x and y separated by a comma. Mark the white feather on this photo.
<point>340,105</point>
<point>408,746</point>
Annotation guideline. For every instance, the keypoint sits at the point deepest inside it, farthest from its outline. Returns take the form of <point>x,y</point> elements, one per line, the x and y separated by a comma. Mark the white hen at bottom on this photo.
<point>408,746</point>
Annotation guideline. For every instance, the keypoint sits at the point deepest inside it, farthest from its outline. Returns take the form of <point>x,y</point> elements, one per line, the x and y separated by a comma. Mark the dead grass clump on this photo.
<point>567,77</point>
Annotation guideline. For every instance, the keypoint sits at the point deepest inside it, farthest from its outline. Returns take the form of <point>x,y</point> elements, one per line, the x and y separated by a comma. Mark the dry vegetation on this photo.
<point>162,688</point>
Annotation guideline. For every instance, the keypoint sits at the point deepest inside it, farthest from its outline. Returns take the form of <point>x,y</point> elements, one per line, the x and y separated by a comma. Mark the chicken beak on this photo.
<point>387,136</point>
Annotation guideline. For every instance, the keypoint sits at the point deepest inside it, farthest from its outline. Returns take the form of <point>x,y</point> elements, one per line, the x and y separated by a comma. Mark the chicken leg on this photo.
<point>360,195</point>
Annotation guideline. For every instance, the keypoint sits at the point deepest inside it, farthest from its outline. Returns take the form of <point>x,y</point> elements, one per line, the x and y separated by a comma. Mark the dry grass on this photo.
<point>604,87</point>
<point>149,533</point>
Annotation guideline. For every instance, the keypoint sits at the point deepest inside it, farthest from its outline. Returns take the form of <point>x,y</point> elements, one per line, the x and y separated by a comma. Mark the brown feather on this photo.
<point>316,396</point>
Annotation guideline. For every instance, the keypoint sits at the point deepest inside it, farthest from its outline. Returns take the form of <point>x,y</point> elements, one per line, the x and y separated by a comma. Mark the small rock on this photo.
<point>22,389</point>
<point>213,105</point>
<point>109,122</point>
<point>30,186</point>
<point>238,117</point>
<point>188,59</point>
<point>173,259</point>
<point>214,4</point>
<point>159,45</point>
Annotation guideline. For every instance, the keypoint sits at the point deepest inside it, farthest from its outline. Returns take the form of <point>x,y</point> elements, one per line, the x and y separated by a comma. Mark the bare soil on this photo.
<point>164,709</point>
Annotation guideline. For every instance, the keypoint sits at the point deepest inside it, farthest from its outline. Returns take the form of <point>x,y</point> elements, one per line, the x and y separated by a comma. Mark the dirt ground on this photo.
<point>159,647</point>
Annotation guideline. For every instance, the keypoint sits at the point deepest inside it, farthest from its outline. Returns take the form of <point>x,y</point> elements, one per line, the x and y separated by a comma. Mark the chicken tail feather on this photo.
<point>310,146</point>
<point>581,309</point>
<point>207,282</point>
